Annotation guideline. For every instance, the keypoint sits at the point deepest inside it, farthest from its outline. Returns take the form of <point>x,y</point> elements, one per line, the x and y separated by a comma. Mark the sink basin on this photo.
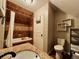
<point>26,55</point>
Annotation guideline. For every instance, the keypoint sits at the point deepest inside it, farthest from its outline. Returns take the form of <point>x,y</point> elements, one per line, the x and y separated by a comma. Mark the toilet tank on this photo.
<point>61,41</point>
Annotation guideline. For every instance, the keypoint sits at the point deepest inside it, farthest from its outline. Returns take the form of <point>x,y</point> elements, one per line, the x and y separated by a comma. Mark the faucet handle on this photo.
<point>12,53</point>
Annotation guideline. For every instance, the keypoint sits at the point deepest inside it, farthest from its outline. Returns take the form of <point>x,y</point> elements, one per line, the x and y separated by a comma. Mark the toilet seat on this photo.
<point>58,47</point>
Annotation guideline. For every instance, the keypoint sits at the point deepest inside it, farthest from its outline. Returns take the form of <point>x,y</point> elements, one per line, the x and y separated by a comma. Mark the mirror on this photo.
<point>21,30</point>
<point>21,26</point>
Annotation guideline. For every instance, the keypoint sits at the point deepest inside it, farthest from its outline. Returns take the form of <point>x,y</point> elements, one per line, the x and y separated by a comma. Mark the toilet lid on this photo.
<point>58,47</point>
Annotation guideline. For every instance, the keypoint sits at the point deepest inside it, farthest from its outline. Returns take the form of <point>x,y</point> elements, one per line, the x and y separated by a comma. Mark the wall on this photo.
<point>42,28</point>
<point>59,16</point>
<point>46,28</point>
<point>51,28</point>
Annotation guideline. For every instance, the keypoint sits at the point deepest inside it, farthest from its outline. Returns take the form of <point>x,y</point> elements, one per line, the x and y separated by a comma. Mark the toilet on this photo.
<point>59,48</point>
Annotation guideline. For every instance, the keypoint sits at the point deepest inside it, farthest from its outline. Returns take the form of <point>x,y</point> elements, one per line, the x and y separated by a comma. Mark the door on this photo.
<point>38,33</point>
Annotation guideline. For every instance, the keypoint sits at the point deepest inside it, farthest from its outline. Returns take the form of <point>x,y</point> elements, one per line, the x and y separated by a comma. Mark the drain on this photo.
<point>36,56</point>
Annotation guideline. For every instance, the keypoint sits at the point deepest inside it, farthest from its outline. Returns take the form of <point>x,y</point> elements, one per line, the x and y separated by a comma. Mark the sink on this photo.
<point>26,55</point>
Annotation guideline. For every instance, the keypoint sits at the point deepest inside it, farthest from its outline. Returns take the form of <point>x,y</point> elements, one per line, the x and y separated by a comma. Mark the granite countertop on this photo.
<point>22,47</point>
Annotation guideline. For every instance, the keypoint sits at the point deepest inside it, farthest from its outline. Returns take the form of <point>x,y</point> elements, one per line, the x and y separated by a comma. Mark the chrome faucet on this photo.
<point>12,53</point>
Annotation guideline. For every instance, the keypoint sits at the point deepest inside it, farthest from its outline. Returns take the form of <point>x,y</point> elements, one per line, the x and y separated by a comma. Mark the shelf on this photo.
<point>75,29</point>
<point>75,43</point>
<point>75,36</point>
<point>74,33</point>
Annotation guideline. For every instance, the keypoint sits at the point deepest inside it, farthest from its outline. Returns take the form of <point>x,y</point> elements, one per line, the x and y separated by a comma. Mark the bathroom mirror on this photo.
<point>23,24</point>
<point>22,29</point>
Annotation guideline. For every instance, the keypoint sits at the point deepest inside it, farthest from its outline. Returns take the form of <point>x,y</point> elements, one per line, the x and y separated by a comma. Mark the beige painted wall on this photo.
<point>43,11</point>
<point>51,23</point>
<point>48,27</point>
<point>59,16</point>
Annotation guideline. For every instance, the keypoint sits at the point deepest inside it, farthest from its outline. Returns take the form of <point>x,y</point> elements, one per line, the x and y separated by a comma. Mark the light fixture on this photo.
<point>29,2</point>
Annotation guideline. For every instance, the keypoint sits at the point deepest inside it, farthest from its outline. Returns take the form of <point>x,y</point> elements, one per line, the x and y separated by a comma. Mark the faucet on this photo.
<point>12,53</point>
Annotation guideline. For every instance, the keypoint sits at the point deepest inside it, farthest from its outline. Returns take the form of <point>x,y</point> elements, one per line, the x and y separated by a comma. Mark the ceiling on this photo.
<point>36,5</point>
<point>68,6</point>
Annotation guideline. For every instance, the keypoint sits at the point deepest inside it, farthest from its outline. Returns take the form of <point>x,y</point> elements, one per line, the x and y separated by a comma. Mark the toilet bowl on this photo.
<point>59,48</point>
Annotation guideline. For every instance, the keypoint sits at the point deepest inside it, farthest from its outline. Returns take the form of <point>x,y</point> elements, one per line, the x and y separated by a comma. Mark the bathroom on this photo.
<point>41,29</point>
